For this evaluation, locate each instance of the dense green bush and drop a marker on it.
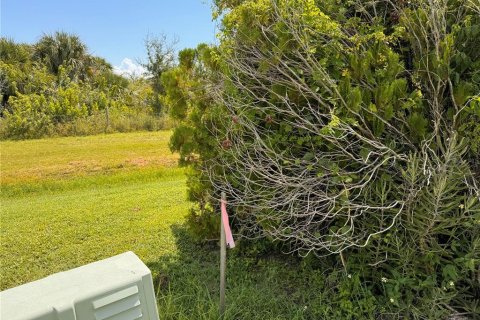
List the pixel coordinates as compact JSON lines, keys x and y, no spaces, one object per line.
{"x":196,"y":113}
{"x":345,"y":128}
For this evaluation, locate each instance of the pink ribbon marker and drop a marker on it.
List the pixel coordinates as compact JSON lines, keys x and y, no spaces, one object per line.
{"x":226,"y":225}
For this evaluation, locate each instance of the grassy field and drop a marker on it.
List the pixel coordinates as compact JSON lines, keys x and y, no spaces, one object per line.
{"x":70,"y":201}
{"x":33,"y":161}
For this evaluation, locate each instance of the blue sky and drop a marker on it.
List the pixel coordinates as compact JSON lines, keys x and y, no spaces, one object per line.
{"x":113,"y":29}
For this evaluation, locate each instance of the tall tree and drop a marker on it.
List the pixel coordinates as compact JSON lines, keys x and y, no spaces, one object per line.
{"x":160,"y":58}
{"x":62,"y":49}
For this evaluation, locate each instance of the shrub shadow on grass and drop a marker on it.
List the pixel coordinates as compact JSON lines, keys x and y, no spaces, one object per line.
{"x":187,"y":284}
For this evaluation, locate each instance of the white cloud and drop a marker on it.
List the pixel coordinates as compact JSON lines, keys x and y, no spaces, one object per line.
{"x":128,"y":68}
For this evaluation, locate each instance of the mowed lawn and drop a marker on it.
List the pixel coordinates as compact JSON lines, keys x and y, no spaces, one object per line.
{"x":70,"y":201}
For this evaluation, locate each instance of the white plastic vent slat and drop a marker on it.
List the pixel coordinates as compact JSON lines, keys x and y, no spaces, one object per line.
{"x":115,"y":297}
{"x":131,"y":314}
{"x":117,"y":307}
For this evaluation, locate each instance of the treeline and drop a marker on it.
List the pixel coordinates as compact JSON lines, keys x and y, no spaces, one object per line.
{"x":347,"y":132}
{"x":55,"y":87}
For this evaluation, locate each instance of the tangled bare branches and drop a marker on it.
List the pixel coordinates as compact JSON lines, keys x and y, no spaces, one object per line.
{"x":328,"y":181}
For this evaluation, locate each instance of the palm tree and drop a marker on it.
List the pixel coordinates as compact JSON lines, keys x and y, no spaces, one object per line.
{"x":60,"y":49}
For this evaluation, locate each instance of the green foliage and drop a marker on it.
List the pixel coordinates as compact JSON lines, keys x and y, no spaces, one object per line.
{"x":55,"y":87}
{"x":188,"y":102}
{"x":61,"y":49}
{"x":301,"y":99}
{"x":160,"y":59}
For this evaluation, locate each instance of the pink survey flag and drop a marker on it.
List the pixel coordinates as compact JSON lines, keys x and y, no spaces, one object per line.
{"x":226,"y":225}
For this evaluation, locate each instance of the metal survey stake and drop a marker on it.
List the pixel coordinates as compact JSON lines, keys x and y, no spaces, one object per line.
{"x":226,"y":239}
{"x":223,"y":258}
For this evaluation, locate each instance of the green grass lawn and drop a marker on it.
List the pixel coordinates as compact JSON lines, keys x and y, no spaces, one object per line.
{"x":59,"y":158}
{"x":66,"y":202}
{"x":57,"y":214}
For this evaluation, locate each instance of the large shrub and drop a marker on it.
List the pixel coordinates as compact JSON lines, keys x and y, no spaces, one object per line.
{"x":345,"y":127}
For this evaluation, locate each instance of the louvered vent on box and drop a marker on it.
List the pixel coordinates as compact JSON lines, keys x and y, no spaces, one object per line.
{"x":123,"y":304}
{"x":118,"y":288}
